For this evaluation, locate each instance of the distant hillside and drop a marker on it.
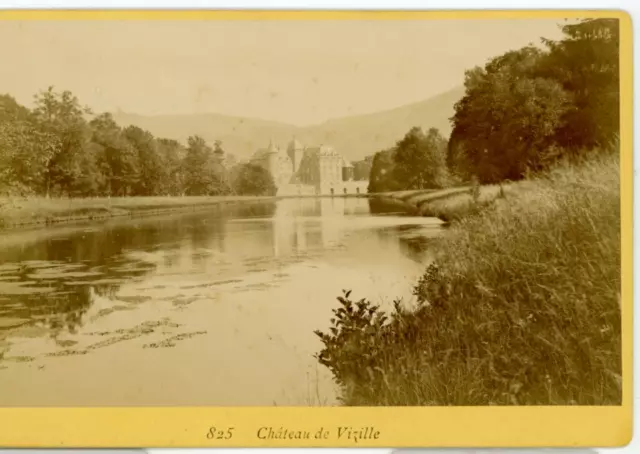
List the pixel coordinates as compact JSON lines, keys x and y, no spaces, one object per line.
{"x":355,"y":136}
{"x":240,"y":136}
{"x":358,"y":136}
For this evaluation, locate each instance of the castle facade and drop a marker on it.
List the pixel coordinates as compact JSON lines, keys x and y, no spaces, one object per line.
{"x":308,"y":170}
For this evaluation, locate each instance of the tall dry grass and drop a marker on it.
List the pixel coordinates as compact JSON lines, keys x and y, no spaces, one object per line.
{"x":520,"y":307}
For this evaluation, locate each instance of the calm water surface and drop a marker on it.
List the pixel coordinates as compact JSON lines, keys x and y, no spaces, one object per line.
{"x":208,"y":308}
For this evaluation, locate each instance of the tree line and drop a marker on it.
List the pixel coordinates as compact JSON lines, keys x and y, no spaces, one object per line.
{"x":59,"y":148}
{"x":522,"y":112}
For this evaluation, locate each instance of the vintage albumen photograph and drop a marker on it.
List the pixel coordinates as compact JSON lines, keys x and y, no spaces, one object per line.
{"x":345,"y":212}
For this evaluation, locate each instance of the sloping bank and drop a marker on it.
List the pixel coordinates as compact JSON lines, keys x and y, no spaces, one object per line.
{"x":449,"y":204}
{"x":40,"y":211}
{"x":520,"y":307}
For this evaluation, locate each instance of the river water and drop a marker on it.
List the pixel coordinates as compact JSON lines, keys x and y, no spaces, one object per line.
{"x":215,"y":307}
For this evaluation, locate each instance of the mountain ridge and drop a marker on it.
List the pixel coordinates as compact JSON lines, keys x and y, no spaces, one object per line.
{"x":354,"y":136}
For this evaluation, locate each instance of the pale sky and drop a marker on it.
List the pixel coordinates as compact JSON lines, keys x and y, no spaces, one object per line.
{"x":298,"y":72}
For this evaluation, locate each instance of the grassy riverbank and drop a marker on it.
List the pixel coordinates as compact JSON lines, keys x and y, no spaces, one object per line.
{"x":34,"y":211}
{"x":521,"y":305}
{"x":15,"y":212}
{"x":449,"y":204}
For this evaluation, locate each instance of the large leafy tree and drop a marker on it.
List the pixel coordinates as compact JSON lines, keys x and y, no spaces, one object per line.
{"x":420,"y":160}
{"x":203,"y":170}
{"x":171,"y":154}
{"x":221,"y":184}
{"x":528,"y":107}
{"x":362,"y":169}
{"x":25,"y":150}
{"x":25,"y":153}
{"x":250,"y":179}
{"x":93,"y":178}
{"x":381,"y":178}
{"x":150,"y":179}
{"x":587,"y":64}
{"x":11,"y":110}
{"x":507,"y":120}
{"x":195,"y":165}
{"x":53,"y":149}
{"x":60,"y":115}
{"x":118,"y":159}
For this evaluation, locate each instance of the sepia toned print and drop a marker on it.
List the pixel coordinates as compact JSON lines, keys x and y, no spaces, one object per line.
{"x":310,"y":213}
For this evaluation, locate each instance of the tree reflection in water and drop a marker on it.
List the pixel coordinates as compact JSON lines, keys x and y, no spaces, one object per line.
{"x":378,"y":205}
{"x":53,"y":282}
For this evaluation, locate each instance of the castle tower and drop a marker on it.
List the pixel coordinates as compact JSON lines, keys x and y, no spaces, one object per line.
{"x":295,"y":150}
{"x":272,"y":160}
{"x":347,"y":170}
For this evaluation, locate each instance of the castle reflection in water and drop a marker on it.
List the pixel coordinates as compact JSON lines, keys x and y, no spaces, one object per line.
{"x":286,"y":228}
{"x":94,"y":263}
{"x":85,"y":273}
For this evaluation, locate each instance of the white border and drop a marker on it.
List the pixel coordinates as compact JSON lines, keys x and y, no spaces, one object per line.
{"x":627,"y":5}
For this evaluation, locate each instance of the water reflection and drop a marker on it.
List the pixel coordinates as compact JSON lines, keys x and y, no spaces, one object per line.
{"x":385,"y":206}
{"x":53,"y":281}
{"x":289,"y":259}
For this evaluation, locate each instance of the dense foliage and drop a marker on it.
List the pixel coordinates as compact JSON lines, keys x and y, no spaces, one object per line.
{"x":60,"y":148}
{"x":250,"y":179}
{"x":362,"y":169}
{"x":381,"y":176}
{"x":418,"y":161}
{"x":527,"y":108}
{"x":521,"y":112}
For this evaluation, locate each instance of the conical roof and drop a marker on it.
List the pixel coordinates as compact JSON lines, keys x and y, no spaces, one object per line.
{"x":272,"y":148}
{"x":295,"y":144}
{"x":346,"y":163}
